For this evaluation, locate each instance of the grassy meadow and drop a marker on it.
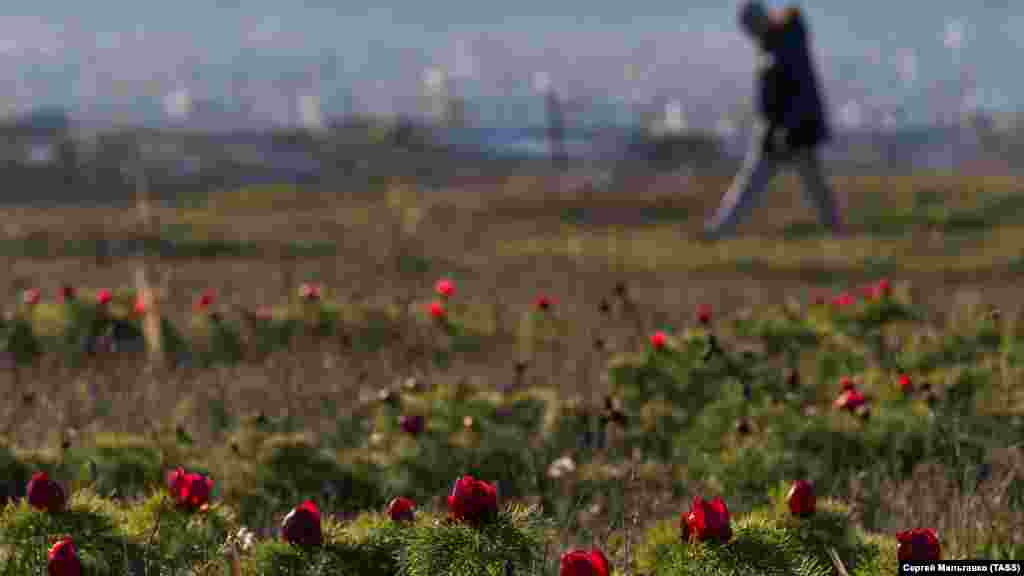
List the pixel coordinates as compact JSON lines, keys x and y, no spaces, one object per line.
{"x":303,"y":400}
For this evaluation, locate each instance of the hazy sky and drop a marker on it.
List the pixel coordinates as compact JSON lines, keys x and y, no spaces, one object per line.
{"x":890,"y":52}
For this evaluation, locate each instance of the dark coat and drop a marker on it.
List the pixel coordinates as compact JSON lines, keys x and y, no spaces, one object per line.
{"x":789,"y":90}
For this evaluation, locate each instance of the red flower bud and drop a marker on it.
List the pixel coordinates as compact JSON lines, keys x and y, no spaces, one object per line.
{"x":918,"y":545}
{"x":309,"y":291}
{"x":584,"y":563}
{"x":411,"y":424}
{"x":445,"y":288}
{"x":708,"y":520}
{"x":301,"y":527}
{"x":905,"y":384}
{"x":31,"y":296}
{"x":659,"y":340}
{"x":472,"y":500}
{"x":45,"y":494}
{"x":704,"y":314}
{"x":67,"y":293}
{"x":801,"y":498}
{"x":204,"y":301}
{"x":62,"y":559}
{"x":401,"y":509}
{"x":437,"y":310}
{"x":103,"y":297}
{"x":849,"y":400}
{"x":189,"y":490}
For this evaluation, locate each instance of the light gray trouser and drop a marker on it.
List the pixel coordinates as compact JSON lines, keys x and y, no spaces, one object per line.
{"x":757,"y":171}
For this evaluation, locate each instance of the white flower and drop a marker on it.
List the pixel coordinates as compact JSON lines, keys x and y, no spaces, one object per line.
{"x":561,"y":467}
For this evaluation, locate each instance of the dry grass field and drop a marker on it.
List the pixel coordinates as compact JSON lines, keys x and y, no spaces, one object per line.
{"x":954,"y":245}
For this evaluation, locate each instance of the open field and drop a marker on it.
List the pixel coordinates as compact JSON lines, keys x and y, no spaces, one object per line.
{"x":304,"y":421}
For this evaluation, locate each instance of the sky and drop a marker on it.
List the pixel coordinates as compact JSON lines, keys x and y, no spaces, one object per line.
{"x":104,"y":58}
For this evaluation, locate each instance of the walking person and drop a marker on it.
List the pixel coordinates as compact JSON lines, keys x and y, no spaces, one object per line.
{"x":791,"y":123}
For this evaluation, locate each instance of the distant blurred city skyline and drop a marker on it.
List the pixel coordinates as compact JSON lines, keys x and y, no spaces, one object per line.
{"x":882,"y":63}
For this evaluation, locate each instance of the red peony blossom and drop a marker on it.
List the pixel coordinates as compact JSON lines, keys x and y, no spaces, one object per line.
{"x":918,"y":545}
{"x":850,"y":400}
{"x":190,"y":490}
{"x":309,"y":291}
{"x":45,"y":494}
{"x":708,"y":520}
{"x":843,"y":300}
{"x":543,"y":303}
{"x":704,"y":314}
{"x":67,"y":293}
{"x":204,"y":301}
{"x":62,"y":559}
{"x":905,"y":384}
{"x":437,"y":310}
{"x":31,"y":296}
{"x":659,"y":340}
{"x":411,"y":424}
{"x":445,"y":288}
{"x":882,"y":289}
{"x":801,"y":498}
{"x":401,"y":509}
{"x":301,"y":527}
{"x":846,"y":383}
{"x":584,"y":563}
{"x":472,"y":500}
{"x":103,"y":297}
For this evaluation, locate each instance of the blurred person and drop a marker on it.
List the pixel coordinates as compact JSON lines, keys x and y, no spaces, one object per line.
{"x":791,"y":123}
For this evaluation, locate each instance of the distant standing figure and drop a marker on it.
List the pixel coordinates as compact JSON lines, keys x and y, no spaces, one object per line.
{"x":791,"y":122}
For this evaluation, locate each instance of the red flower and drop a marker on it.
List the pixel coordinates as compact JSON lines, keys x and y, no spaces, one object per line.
{"x":103,"y":297}
{"x":411,"y":424}
{"x":905,"y":384}
{"x":849,"y":400}
{"x":708,"y":520}
{"x":204,"y":301}
{"x":45,"y":494}
{"x":543,"y":303}
{"x":845,"y":383}
{"x":883,"y":288}
{"x":401,"y":509}
{"x":445,"y":288}
{"x":704,"y":314}
{"x":31,"y":296}
{"x":140,"y":305}
{"x":472,"y":500}
{"x":301,"y":527}
{"x":62,"y":559}
{"x":67,"y":293}
{"x":584,"y":563}
{"x":309,"y":291}
{"x":190,"y":490}
{"x":801,"y":498}
{"x":918,"y":545}
{"x":843,"y":300}
{"x":658,"y":340}
{"x":437,"y":310}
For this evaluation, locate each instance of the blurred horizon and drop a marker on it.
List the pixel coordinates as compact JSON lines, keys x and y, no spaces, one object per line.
{"x":882,"y":64}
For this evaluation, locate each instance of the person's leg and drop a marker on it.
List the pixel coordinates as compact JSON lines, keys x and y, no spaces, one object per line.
{"x":818,"y":191}
{"x":751,"y":181}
